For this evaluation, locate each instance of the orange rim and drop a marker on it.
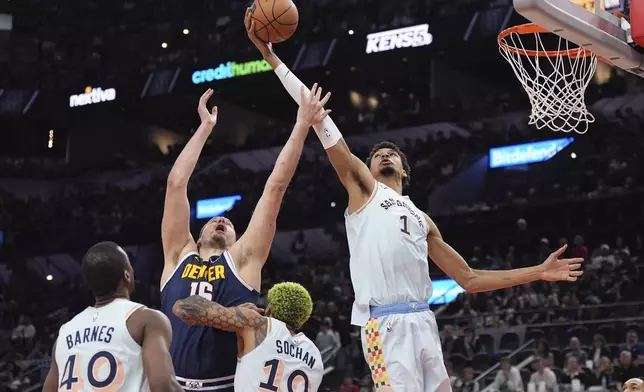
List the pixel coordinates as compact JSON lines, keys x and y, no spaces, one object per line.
{"x":531,"y":28}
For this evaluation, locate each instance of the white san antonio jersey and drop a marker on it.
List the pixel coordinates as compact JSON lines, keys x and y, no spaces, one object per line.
{"x":388,"y":253}
{"x":282,"y":362}
{"x":95,"y":351}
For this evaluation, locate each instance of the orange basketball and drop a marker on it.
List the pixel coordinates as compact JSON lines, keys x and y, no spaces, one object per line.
{"x":275,"y":20}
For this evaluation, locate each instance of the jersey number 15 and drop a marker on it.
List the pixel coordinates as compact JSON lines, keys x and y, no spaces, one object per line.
{"x":275,"y":371}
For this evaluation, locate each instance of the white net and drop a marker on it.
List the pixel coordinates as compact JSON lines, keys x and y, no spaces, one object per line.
{"x":554,"y":80}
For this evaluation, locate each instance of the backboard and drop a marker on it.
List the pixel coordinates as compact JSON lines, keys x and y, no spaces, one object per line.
{"x":589,"y":24}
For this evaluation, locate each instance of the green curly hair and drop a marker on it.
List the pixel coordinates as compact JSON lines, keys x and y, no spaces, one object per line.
{"x":290,"y":303}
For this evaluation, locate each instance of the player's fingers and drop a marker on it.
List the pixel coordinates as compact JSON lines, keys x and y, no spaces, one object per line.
{"x":572,"y":279}
{"x":303,"y":94}
{"x":575,"y":273}
{"x":247,"y":19}
{"x":574,"y":266}
{"x":215,"y":110}
{"x":251,"y":29}
{"x":318,"y":94}
{"x":313,"y":91}
{"x":326,"y":98}
{"x":576,"y":260}
{"x":559,"y":251}
{"x":323,"y":115}
{"x":204,"y":96}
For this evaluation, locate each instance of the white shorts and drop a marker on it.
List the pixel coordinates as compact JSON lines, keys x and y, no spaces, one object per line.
{"x":404,"y":354}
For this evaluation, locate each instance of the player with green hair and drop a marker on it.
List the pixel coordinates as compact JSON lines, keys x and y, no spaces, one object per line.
{"x":273,"y":356}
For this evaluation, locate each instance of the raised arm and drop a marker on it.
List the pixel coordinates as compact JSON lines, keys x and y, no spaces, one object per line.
{"x":253,"y":247}
{"x":353,"y":173}
{"x":157,"y":363}
{"x":473,"y":280}
{"x":175,"y":226}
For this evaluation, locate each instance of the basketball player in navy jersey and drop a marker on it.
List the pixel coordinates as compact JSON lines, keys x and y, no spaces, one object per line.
{"x":218,"y":266}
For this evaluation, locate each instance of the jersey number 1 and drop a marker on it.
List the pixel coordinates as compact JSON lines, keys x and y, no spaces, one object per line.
{"x":98,"y":360}
{"x":275,"y":370}
{"x":405,"y":227}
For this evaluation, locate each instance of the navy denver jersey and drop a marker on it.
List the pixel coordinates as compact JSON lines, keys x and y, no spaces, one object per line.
{"x":204,"y":358}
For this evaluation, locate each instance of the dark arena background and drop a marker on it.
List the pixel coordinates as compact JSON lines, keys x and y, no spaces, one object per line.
{"x":97,"y":99}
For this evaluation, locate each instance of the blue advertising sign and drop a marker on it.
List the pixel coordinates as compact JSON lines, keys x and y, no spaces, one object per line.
{"x":444,"y":291}
{"x":522,"y":154}
{"x":208,"y":208}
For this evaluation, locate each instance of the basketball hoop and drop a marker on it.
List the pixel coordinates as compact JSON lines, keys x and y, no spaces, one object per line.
{"x":555,"y":80}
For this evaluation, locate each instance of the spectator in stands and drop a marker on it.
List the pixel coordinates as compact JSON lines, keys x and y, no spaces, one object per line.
{"x":24,"y":332}
{"x":299,"y":246}
{"x":508,"y":379}
{"x":625,"y":368}
{"x":453,"y":378}
{"x":605,"y":373}
{"x":348,"y":385}
{"x":449,"y":339}
{"x":543,"y":374}
{"x":467,"y":382}
{"x":543,"y":351}
{"x":466,"y":315}
{"x":574,"y":371}
{"x":327,"y":339}
{"x":579,"y":250}
{"x":633,"y":345}
{"x":575,"y":351}
{"x":602,"y":257}
{"x":468,"y":345}
{"x":366,"y":384}
{"x":599,"y":350}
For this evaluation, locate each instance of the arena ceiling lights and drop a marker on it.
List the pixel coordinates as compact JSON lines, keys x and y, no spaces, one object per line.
{"x":406,"y":37}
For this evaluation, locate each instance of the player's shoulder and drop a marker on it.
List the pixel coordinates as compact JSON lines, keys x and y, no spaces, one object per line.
{"x":150,"y":318}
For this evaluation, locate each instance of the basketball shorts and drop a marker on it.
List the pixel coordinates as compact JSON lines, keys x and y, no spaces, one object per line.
{"x":403,"y":352}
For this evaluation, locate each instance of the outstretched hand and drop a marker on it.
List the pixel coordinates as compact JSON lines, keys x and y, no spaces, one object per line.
{"x":555,"y":269}
{"x":207,"y":117}
{"x":265,"y":48}
{"x":311,"y":109}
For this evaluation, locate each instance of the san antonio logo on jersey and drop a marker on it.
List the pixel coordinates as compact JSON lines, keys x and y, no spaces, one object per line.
{"x":390,"y":202}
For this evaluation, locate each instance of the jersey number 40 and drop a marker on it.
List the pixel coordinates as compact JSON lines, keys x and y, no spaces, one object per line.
{"x":72,"y":380}
{"x":275,"y":371}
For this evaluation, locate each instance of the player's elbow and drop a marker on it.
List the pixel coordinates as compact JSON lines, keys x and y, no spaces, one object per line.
{"x":275,"y":187}
{"x":469,"y":282}
{"x":176,"y":180}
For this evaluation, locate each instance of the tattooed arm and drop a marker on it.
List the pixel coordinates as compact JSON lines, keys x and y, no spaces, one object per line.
{"x":196,"y":310}
{"x":245,"y":320}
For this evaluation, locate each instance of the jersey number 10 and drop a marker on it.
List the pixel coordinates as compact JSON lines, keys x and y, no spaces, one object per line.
{"x":275,"y":371}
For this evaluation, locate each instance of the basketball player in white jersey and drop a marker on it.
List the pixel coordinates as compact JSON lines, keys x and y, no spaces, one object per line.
{"x":273,"y":357}
{"x":117,"y":344}
{"x":390,"y":240}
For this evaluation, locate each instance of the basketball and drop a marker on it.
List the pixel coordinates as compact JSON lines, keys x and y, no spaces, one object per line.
{"x":275,"y":20}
